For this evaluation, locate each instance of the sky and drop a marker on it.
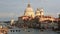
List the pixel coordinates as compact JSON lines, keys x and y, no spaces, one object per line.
{"x":15,"y":8}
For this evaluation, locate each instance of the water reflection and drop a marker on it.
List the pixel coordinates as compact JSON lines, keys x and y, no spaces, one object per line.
{"x":31,"y":31}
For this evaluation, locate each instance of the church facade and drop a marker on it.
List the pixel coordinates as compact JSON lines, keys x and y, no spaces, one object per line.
{"x":29,"y":14}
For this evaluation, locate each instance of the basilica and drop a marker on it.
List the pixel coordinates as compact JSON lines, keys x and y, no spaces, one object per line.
{"x":29,"y":14}
{"x":37,"y":19}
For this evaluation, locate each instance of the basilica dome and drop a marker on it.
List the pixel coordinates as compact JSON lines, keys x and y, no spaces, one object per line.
{"x":29,"y":11}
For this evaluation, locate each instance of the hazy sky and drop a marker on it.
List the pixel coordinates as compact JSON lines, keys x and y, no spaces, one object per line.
{"x":15,"y":8}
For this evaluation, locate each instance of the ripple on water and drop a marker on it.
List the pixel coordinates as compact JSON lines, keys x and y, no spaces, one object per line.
{"x":33,"y":31}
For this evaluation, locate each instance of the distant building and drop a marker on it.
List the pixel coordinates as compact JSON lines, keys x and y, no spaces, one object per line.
{"x":20,"y":20}
{"x":29,"y":14}
{"x":37,"y":18}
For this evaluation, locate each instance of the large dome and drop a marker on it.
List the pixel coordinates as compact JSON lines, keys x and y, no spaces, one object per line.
{"x":29,"y":11}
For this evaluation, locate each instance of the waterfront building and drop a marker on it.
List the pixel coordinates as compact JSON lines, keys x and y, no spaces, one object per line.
{"x":31,"y":17}
{"x":29,"y":14}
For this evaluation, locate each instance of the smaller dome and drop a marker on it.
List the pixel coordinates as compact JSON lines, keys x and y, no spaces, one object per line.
{"x":37,"y":12}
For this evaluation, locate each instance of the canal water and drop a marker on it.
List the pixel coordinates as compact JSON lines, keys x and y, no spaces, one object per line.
{"x":30,"y":31}
{"x":16,"y":30}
